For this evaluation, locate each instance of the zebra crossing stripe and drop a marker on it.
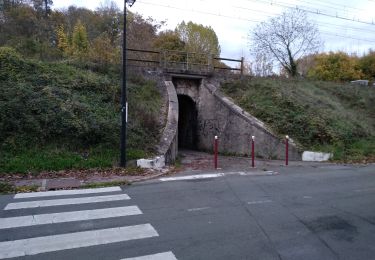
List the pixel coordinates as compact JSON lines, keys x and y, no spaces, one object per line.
{"x":161,"y":256}
{"x":38,"y":245}
{"x":65,"y":192}
{"x":60,"y":202}
{"x":42,"y":219}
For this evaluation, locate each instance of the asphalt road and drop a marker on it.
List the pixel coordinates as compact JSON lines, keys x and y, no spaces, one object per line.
{"x":304,"y":213}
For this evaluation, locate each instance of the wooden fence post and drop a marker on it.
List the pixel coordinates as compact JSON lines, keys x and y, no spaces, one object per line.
{"x":242,"y":66}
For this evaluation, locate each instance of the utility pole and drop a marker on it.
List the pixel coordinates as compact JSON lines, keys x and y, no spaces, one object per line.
{"x":124,"y":100}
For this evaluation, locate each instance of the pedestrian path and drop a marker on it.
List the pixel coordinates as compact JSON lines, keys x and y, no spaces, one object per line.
{"x":58,"y":202}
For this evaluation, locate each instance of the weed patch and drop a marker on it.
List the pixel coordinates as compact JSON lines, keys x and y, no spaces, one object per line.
{"x":332,"y":117}
{"x":55,"y":116}
{"x":104,"y":184}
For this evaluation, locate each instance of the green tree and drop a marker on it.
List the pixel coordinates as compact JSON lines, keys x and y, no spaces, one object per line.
{"x":80,"y":41}
{"x":367,"y":65}
{"x":141,"y":32}
{"x":109,"y":20}
{"x":2,"y":16}
{"x":62,"y":39}
{"x":198,"y":38}
{"x":335,"y":66}
{"x":103,"y":53}
{"x":90,"y":19}
{"x":169,"y":40}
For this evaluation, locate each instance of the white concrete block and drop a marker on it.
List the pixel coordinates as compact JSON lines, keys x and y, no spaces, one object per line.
{"x":154,"y":163}
{"x":308,"y":156}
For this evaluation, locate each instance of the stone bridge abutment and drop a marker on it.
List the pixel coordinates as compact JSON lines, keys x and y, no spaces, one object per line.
{"x":198,"y":112}
{"x":210,"y":113}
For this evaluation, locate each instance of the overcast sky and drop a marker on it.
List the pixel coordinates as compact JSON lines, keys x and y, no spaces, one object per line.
{"x":232,"y":20}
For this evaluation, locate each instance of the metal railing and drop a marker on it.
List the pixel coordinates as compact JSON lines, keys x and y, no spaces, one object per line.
{"x":181,"y":62}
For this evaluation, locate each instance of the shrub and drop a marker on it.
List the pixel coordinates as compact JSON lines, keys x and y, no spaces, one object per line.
{"x":313,"y":113}
{"x":55,"y":103}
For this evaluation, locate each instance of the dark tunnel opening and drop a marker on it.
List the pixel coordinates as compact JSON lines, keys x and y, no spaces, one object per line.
{"x":187,"y":123}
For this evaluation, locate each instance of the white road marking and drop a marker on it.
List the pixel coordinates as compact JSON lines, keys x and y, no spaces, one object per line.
{"x":365,"y":190}
{"x":235,"y":173}
{"x":65,"y":192}
{"x":259,"y":202}
{"x":216,"y":175}
{"x":43,"y":219}
{"x":161,"y":256}
{"x":38,"y":245}
{"x":59,"y":202}
{"x":198,"y":209}
{"x":307,"y":197}
{"x":193,"y":177}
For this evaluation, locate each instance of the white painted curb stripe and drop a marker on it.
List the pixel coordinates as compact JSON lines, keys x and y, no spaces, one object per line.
{"x":37,"y":245}
{"x":65,"y":192}
{"x":59,"y":202}
{"x":259,"y":202}
{"x":198,"y":209}
{"x":193,"y":177}
{"x":161,"y":256}
{"x":43,"y":219}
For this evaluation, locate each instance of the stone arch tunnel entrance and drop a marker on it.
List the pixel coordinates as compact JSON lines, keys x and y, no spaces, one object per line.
{"x":187,"y":123}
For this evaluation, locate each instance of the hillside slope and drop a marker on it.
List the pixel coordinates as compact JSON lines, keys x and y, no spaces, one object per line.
{"x":55,"y":116}
{"x":332,"y":117}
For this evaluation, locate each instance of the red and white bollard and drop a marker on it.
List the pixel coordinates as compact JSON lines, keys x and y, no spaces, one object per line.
{"x":286,"y":150}
{"x":216,"y":145}
{"x":252,"y":152}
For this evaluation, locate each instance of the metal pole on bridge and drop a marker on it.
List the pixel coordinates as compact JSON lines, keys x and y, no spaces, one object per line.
{"x":242,"y":66}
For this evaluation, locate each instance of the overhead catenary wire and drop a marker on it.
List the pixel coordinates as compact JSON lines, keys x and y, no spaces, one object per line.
{"x":318,"y":22}
{"x":244,"y":19}
{"x":334,"y":5}
{"x":257,"y":11}
{"x":316,"y":12}
{"x":325,"y":7}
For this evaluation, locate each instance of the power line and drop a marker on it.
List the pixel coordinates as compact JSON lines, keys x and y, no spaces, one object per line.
{"x":329,"y":6}
{"x":273,"y":14}
{"x":343,"y":5}
{"x":318,"y":22}
{"x":346,"y":37}
{"x":240,"y":18}
{"x":198,"y":11}
{"x":317,"y":12}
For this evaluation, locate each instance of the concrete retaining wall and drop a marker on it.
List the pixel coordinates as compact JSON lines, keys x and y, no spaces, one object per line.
{"x":218,"y":115}
{"x":168,"y":145}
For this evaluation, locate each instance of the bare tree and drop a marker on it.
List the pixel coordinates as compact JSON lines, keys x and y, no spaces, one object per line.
{"x":286,"y":39}
{"x":262,"y":66}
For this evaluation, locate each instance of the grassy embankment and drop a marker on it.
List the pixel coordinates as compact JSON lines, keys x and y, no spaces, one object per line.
{"x":55,"y":116}
{"x":319,"y":116}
